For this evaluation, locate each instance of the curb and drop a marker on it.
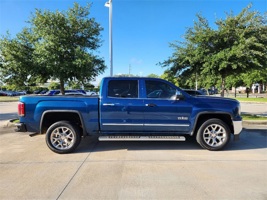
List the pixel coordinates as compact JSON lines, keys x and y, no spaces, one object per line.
{"x":8,"y":123}
{"x":7,"y":127}
{"x":254,"y":122}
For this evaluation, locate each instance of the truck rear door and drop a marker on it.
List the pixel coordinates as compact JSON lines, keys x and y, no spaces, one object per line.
{"x":121,"y":109}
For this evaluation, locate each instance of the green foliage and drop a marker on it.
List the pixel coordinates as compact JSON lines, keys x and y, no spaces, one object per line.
{"x":237,"y":45}
{"x":153,"y":76}
{"x":89,"y":86}
{"x":97,"y":89}
{"x":74,"y":85}
{"x":247,"y":79}
{"x":256,"y":76}
{"x":16,"y":59}
{"x":167,"y":75}
{"x":58,"y":45}
{"x":54,"y":86}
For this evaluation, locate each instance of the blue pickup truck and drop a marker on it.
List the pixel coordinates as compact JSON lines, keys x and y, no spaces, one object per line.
{"x":131,"y":109}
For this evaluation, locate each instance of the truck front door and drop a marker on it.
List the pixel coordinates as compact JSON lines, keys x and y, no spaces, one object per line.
{"x":162,"y":111}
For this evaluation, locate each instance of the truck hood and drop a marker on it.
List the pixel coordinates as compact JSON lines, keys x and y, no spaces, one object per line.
{"x":220,"y":104}
{"x":214,"y":99}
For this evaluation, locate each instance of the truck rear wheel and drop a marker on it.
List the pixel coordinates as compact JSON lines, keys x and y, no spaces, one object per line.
{"x":213,"y":134}
{"x":63,"y":137}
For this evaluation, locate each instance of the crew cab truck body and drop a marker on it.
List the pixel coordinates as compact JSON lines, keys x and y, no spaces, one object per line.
{"x":131,"y":109}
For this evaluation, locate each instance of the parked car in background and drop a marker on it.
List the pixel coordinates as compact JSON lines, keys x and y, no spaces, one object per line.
{"x":56,"y":92}
{"x":2,"y":93}
{"x":74,"y":93}
{"x":37,"y":91}
{"x":194,"y":92}
{"x":43,"y":91}
{"x":90,"y":93}
{"x":52,"y":92}
{"x":11,"y":93}
{"x":80,"y":90}
{"x":22,"y":92}
{"x":213,"y":91}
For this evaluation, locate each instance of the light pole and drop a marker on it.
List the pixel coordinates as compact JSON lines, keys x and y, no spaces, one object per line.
{"x":109,"y":5}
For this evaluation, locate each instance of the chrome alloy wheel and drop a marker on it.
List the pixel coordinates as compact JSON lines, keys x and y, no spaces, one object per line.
{"x":62,"y":138}
{"x":214,"y":135}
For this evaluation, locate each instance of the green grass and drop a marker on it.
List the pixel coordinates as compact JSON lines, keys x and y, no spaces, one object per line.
{"x":253,"y":117}
{"x":8,"y":99}
{"x":258,"y":100}
{"x":15,"y":121}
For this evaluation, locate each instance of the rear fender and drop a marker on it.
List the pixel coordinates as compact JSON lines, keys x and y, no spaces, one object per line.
{"x":51,"y":116}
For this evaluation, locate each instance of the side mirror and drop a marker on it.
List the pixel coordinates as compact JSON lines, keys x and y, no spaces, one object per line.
{"x":179,"y":95}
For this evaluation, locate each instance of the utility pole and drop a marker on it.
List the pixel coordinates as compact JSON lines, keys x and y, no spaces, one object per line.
{"x":130,"y":70}
{"x":196,"y":81}
{"x":109,"y":5}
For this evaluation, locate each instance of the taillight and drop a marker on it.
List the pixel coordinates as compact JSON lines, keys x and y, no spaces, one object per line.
{"x":21,"y":109}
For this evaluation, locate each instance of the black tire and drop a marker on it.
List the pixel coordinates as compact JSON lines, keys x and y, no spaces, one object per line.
{"x":213,"y":134}
{"x":63,"y":137}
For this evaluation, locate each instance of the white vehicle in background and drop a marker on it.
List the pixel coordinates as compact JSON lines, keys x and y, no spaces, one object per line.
{"x":22,"y":92}
{"x":73,"y":94}
{"x":90,"y":93}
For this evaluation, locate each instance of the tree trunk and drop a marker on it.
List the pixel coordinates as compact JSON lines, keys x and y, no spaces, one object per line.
{"x":62,"y":90}
{"x":223,"y":87}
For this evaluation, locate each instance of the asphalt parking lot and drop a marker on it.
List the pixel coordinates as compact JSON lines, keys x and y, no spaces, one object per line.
{"x":133,"y":170}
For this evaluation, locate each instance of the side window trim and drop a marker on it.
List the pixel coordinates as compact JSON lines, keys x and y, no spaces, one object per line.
{"x":162,"y":90}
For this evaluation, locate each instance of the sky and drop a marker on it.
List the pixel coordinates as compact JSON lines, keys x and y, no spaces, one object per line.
{"x":142,"y":29}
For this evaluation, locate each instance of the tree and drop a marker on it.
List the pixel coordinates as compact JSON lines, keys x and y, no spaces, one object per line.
{"x":60,"y":45}
{"x":234,"y":81}
{"x":16,"y":59}
{"x":237,"y":45}
{"x":167,"y":75}
{"x":257,"y":76}
{"x":54,"y":86}
{"x":89,"y":86}
{"x":153,"y":75}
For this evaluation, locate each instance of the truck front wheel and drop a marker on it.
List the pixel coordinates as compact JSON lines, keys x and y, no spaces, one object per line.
{"x":63,"y":137}
{"x":213,"y":134}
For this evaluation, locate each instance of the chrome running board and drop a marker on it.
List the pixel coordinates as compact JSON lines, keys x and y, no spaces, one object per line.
{"x":141,"y":138}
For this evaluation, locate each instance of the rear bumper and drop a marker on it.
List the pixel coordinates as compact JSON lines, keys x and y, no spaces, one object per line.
{"x":20,"y":127}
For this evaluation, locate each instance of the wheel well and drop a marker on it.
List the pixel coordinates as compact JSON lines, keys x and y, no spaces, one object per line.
{"x":204,"y":117}
{"x":53,"y":117}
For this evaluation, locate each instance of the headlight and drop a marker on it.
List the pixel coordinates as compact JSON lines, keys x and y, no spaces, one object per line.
{"x":238,"y":109}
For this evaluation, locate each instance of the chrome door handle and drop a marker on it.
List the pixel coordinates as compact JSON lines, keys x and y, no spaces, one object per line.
{"x":108,"y":104}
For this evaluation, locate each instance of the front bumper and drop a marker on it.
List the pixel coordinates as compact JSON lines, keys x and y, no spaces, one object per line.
{"x":20,"y":127}
{"x":237,"y":129}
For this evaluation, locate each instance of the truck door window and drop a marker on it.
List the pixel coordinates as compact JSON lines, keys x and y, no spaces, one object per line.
{"x":123,"y":88}
{"x":158,"y":89}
